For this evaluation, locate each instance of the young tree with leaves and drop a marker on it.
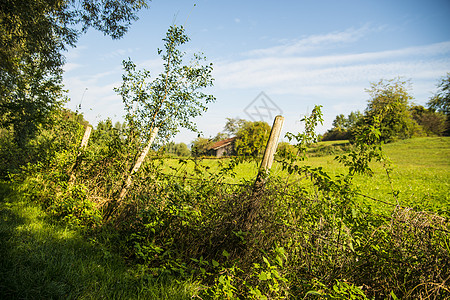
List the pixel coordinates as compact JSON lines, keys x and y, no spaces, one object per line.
{"x":168,"y":102}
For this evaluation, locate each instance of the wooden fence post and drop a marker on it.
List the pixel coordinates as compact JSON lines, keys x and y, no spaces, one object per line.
{"x":138,"y":164}
{"x":87,"y":134}
{"x":269,"y":152}
{"x":84,"y":141}
{"x":266,"y":164}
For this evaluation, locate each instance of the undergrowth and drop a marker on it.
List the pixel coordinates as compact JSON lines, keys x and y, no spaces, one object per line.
{"x":304,"y":236}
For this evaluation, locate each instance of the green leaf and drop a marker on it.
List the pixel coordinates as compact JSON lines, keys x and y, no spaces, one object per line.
{"x":264,"y":276}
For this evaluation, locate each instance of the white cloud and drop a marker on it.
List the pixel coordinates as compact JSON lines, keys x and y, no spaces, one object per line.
{"x":119,"y":53}
{"x":292,"y":74}
{"x":71,"y":66}
{"x":314,"y":42}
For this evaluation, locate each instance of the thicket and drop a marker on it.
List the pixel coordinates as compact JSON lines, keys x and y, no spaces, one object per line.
{"x":306,"y":236}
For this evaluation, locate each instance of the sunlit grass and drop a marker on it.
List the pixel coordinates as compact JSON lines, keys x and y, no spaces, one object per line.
{"x":420,"y":173}
{"x":41,"y":260}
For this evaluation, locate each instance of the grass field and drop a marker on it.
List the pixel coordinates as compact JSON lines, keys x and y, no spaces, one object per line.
{"x":420,"y":173}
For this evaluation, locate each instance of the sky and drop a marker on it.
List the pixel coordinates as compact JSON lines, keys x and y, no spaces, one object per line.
{"x":273,"y":57}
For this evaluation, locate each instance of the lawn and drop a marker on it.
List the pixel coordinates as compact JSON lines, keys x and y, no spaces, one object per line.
{"x":420,"y":173}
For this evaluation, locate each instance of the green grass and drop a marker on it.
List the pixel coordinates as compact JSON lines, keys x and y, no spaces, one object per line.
{"x":421,"y":172}
{"x":41,"y":260}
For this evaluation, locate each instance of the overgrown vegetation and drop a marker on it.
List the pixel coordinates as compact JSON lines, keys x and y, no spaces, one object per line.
{"x":311,"y":235}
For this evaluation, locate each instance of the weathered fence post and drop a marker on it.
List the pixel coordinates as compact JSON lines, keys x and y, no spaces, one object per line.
{"x":269,"y":152}
{"x":138,"y":164}
{"x":84,"y":141}
{"x":87,"y":134}
{"x":266,"y":164}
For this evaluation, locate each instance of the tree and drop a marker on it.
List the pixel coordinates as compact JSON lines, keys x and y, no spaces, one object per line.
{"x":340,"y":123}
{"x":173,"y":98}
{"x":389,"y":100}
{"x":441,"y":100}
{"x":33,"y":35}
{"x":432,"y":122}
{"x":168,"y":102}
{"x":233,"y":125}
{"x":26,"y":100}
{"x":342,"y":127}
{"x":200,"y":146}
{"x":44,"y":28}
{"x":179,"y":149}
{"x":252,"y":138}
{"x":353,"y":118}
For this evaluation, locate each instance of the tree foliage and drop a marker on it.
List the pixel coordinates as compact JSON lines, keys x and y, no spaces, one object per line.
{"x":173,"y":98}
{"x":252,"y":138}
{"x":177,"y":149}
{"x":200,"y":146}
{"x":441,"y":100}
{"x":45,"y":28}
{"x":27,"y":100}
{"x":343,"y":127}
{"x":33,"y":35}
{"x":432,"y":122}
{"x":233,"y":125}
{"x":390,"y":100}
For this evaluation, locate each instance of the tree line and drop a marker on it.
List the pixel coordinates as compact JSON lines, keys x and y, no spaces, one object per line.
{"x":404,"y":119}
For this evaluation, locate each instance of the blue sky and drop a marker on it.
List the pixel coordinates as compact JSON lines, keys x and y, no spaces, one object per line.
{"x":299,"y":53}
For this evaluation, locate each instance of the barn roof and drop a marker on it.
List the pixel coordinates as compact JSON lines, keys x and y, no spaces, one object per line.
{"x":222,"y":143}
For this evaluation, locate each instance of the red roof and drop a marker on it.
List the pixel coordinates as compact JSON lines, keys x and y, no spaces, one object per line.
{"x":222,"y":143}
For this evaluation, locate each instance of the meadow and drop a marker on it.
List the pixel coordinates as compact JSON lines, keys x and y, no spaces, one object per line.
{"x":420,"y":172}
{"x":190,"y":229}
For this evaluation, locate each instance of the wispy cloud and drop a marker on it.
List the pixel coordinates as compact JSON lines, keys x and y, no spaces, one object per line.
{"x":119,"y":53}
{"x":293,"y":73}
{"x":71,"y":66}
{"x":313,"y":42}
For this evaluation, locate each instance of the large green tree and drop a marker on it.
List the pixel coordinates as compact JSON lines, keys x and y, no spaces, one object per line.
{"x":252,"y":138}
{"x":45,"y":27}
{"x":390,"y":101}
{"x":33,"y":36}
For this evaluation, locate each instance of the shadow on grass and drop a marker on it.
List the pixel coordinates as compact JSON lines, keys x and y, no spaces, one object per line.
{"x":39,"y":260}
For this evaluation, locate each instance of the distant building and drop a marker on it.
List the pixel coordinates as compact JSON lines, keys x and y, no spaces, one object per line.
{"x":222,"y":148}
